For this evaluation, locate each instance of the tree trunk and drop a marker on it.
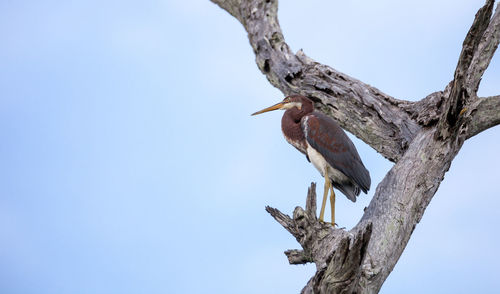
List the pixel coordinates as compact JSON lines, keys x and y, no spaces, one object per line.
{"x":421,"y":138}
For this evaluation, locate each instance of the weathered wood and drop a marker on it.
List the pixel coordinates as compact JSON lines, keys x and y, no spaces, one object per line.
{"x":461,"y":93}
{"x":484,"y":114}
{"x":485,"y":51}
{"x":422,"y":138}
{"x":400,"y":201}
{"x":337,"y":253}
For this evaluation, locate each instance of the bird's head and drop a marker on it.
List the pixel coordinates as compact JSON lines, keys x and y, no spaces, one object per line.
{"x":299,"y":102}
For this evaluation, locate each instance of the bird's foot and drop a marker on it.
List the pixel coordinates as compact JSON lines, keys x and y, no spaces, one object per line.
{"x":333,"y":225}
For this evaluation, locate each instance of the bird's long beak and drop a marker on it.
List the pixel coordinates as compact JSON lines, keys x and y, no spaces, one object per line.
{"x":271,"y":108}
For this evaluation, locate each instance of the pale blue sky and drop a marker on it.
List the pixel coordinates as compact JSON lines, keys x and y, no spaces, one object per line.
{"x":130,"y":163}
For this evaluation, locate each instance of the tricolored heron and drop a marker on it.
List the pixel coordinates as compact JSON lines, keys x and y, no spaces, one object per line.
{"x":326,"y":145}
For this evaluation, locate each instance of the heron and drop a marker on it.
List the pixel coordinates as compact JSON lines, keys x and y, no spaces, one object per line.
{"x":326,"y":146}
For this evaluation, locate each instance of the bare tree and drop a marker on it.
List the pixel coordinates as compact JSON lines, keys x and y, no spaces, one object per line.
{"x":421,"y":138}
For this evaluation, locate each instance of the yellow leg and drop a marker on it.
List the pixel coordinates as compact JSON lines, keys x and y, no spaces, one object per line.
{"x":325,"y":195}
{"x":332,"y":203}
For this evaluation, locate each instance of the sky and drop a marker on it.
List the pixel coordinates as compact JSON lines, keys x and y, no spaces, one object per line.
{"x":130,"y":162}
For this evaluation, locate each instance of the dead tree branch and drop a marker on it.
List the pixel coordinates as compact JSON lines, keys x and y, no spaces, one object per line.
{"x":336,"y":252}
{"x":485,"y":51}
{"x":478,"y":46}
{"x":484,"y":114}
{"x":422,"y":138}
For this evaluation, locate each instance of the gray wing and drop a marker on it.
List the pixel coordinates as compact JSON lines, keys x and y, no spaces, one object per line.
{"x":328,"y":138}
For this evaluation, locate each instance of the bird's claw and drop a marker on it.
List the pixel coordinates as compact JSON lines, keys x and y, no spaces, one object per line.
{"x":333,"y":225}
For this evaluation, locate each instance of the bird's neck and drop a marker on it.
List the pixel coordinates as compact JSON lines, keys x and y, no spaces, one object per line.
{"x":290,"y":125}
{"x":294,"y":115}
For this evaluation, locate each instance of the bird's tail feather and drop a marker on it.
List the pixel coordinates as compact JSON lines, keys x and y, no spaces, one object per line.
{"x":350,"y":190}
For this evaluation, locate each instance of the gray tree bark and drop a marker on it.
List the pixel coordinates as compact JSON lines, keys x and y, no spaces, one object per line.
{"x":421,"y":138}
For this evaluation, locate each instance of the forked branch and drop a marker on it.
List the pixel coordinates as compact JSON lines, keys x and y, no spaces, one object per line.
{"x":477,"y":50}
{"x":422,"y":138}
{"x":336,"y":252}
